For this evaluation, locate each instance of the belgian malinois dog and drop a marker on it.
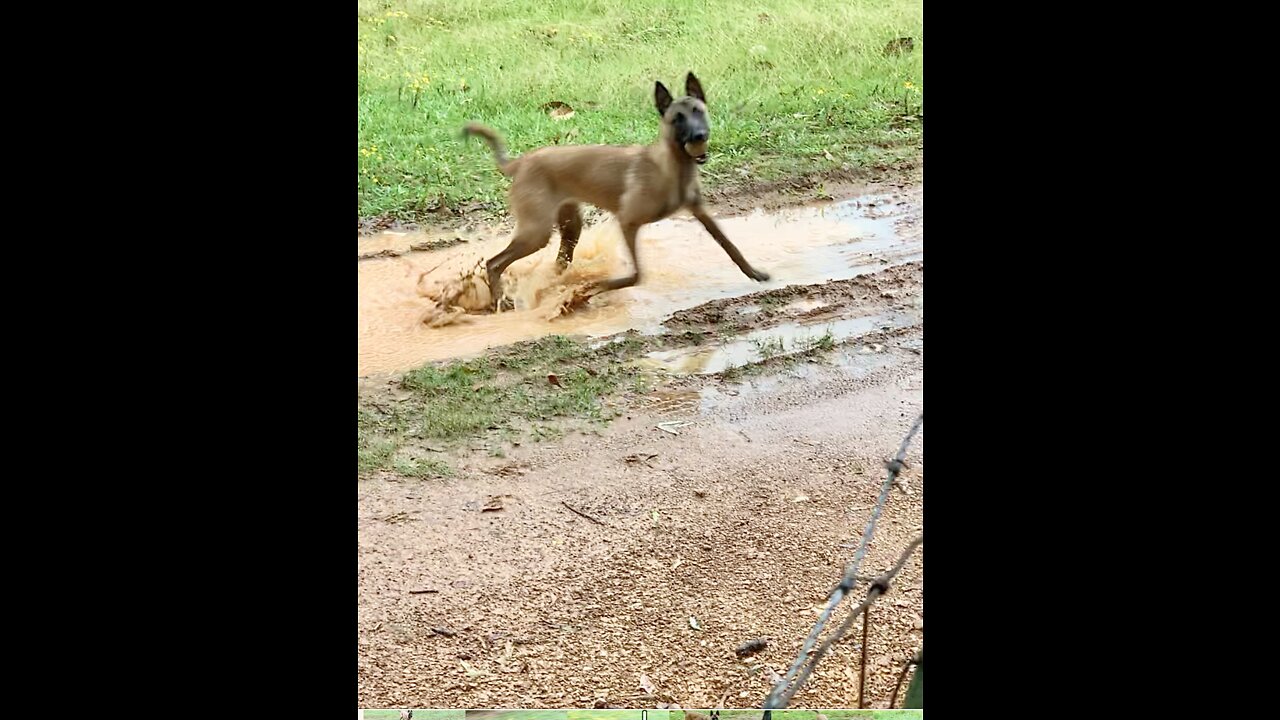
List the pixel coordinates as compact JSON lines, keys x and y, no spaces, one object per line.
{"x":639,"y":184}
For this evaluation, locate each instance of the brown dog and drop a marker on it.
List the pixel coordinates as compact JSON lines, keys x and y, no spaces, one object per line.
{"x":639,"y":184}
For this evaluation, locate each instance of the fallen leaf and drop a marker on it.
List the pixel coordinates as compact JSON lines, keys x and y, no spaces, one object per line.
{"x":554,"y":380}
{"x":693,"y":623}
{"x":558,"y":110}
{"x":646,"y":684}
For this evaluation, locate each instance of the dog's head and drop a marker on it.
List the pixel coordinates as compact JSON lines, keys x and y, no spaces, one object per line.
{"x":687,"y":117}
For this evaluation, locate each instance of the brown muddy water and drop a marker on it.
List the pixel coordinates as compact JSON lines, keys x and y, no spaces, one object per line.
{"x":425,"y":306}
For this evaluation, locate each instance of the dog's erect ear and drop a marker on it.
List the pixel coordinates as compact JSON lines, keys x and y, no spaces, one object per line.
{"x":694,"y":88}
{"x":662,"y":97}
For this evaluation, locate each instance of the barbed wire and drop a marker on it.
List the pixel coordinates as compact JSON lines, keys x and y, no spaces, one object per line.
{"x":862,"y":662}
{"x":879,"y":587}
{"x":799,"y":671}
{"x":913,"y":660}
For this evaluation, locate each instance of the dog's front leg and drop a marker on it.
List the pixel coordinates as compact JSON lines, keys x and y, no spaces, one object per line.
{"x":629,"y":231}
{"x":710,"y":224}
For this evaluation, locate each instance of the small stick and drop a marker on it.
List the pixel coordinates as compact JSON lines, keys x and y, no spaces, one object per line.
{"x":579,"y":512}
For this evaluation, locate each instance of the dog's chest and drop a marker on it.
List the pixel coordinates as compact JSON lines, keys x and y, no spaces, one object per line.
{"x":687,"y":191}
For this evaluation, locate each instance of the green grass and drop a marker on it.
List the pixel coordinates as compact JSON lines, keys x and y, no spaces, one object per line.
{"x":509,"y":394}
{"x":793,"y":86}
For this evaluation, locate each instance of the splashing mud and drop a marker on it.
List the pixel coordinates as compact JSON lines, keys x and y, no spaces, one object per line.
{"x":424,"y":306}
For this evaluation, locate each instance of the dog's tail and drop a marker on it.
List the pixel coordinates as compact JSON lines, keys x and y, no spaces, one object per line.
{"x":494,"y":142}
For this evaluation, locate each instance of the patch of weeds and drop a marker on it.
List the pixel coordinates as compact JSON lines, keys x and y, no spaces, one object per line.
{"x":551,"y":378}
{"x":578,"y":395}
{"x":734,"y":374}
{"x":628,"y":346}
{"x":423,"y":468}
{"x":454,"y":401}
{"x":373,"y":451}
{"x":543,"y":352}
{"x":769,"y":347}
{"x":821,"y":344}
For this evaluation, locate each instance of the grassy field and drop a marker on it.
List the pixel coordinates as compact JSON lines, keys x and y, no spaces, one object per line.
{"x":794,"y":87}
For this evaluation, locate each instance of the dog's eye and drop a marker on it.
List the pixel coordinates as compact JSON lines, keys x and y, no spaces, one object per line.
{"x":679,"y":117}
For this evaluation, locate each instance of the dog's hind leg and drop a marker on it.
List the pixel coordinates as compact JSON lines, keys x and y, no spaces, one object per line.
{"x":528,"y":239}
{"x":570,"y":224}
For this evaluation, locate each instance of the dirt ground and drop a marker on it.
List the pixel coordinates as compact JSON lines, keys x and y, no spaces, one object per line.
{"x":622,"y":569}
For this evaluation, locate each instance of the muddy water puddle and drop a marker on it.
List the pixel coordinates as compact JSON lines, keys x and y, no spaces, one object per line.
{"x":400,"y":298}
{"x":776,"y":341}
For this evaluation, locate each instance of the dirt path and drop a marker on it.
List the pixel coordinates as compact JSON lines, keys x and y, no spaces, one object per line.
{"x":488,"y":589}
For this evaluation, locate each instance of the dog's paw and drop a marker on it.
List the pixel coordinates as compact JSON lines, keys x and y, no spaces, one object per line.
{"x":758,"y":275}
